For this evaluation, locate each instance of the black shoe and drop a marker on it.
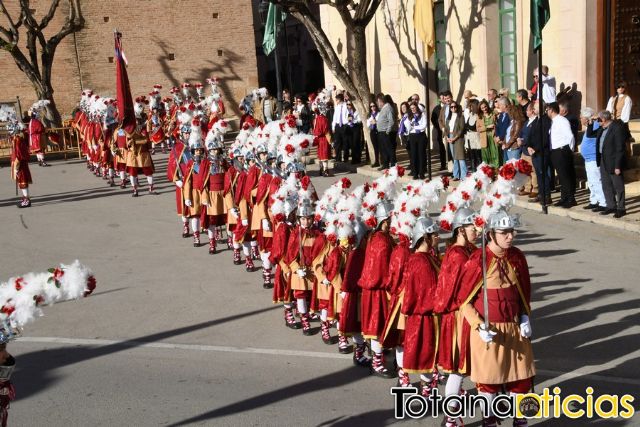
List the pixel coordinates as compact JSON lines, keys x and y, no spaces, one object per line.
{"x":383,"y":373}
{"x":598,"y":208}
{"x":267,"y":285}
{"x":375,"y":165}
{"x":559,"y":204}
{"x":620,"y":214}
{"x":590,"y":206}
{"x":381,"y":168}
{"x":608,"y":211}
{"x":571,"y":203}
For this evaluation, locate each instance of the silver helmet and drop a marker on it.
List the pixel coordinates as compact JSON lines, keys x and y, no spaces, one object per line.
{"x":462,"y":217}
{"x":215,"y":145}
{"x":501,"y":220}
{"x":423,"y":226}
{"x":305,"y":208}
{"x":384,"y":210}
{"x":360,"y":230}
{"x":290,"y":205}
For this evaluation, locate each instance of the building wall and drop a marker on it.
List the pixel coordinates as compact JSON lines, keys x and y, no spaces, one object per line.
{"x":394,"y":55}
{"x":473,"y":52}
{"x":203,"y":45}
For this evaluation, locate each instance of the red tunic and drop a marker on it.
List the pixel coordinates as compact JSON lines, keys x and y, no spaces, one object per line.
{"x":36,"y":130}
{"x":420,"y":335}
{"x":445,"y":304}
{"x":20,"y":161}
{"x":394,"y":325}
{"x":281,"y":286}
{"x":320,"y":130}
{"x":374,"y":272}
{"x":176,"y":170}
{"x":470,"y":289}
{"x":349,"y":316}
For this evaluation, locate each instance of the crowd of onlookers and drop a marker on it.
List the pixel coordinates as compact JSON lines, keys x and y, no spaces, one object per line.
{"x":491,"y":129}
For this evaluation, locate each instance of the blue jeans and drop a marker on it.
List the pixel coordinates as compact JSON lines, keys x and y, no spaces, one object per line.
{"x":459,"y":166}
{"x":512,"y":154}
{"x":537,"y":165}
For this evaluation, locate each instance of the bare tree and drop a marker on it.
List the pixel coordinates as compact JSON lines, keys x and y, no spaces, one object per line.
{"x":352,"y":75}
{"x":38,"y":61}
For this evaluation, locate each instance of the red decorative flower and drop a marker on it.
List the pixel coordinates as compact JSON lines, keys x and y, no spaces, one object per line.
{"x":305,"y":143}
{"x":490,"y":203}
{"x":91,"y":285}
{"x":445,"y":225}
{"x":305,"y":181}
{"x":346,"y":183}
{"x":352,"y":217}
{"x":508,"y":171}
{"x":488,"y":171}
{"x":415,"y":212}
{"x":401,"y":171}
{"x":445,"y":182}
{"x":497,"y":195}
{"x":479,"y":221}
{"x":281,"y":127}
{"x":38,"y":300}
{"x":291,"y":122}
{"x":409,"y":188}
{"x":371,"y":222}
{"x":466,"y":196}
{"x":332,"y":238}
{"x":279,"y":217}
{"x":443,"y":209}
{"x":452,"y":207}
{"x":7,"y":309}
{"x":317,"y":218}
{"x":19,"y":283}
{"x":289,"y":149}
{"x":478,"y":185}
{"x":524,"y":167}
{"x":374,"y":185}
{"x":380,"y":195}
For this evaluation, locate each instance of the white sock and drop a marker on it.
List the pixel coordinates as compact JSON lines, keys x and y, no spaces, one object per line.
{"x":121,"y":173}
{"x":489,"y":397}
{"x":185,"y":220}
{"x":195,"y":225}
{"x":302,"y":305}
{"x":376,"y":347}
{"x":323,"y":314}
{"x":400,"y":356}
{"x":266,"y":264}
{"x":25,"y":192}
{"x":40,"y":157}
{"x":358,"y":338}
{"x":254,"y":243}
{"x":454,"y":382}
{"x":110,"y":172}
{"x":245,"y":249}
{"x":210,"y":233}
{"x":150,"y":179}
{"x":236,"y":245}
{"x":134,"y":181}
{"x":288,"y":305}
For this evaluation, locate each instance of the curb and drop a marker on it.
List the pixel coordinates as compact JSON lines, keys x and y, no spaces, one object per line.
{"x":567,"y":213}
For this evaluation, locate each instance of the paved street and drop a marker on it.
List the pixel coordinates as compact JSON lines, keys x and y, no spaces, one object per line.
{"x":174,"y":336}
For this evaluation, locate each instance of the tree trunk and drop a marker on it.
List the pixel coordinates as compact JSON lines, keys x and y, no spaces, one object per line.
{"x":360,"y":78}
{"x":45,"y":91}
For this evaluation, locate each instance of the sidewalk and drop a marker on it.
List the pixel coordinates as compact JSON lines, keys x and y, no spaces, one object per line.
{"x":630,"y":222}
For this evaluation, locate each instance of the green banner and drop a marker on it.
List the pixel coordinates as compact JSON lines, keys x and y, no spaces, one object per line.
{"x":274,"y":18}
{"x":540,"y":15}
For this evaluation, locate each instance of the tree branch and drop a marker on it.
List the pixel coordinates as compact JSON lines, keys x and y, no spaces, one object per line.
{"x":52,"y":11}
{"x":73,"y":23}
{"x":9,"y":36}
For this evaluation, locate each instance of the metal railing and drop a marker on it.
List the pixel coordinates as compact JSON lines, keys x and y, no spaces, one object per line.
{"x":61,"y":140}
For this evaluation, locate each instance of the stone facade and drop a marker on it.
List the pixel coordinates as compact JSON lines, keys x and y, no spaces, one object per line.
{"x":166,"y":42}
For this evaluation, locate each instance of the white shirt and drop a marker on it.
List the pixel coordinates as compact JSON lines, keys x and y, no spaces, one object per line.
{"x":339,"y":116}
{"x":560,"y":133}
{"x":625,"y":114}
{"x":418,"y":126}
{"x":548,"y":89}
{"x":452,"y":121}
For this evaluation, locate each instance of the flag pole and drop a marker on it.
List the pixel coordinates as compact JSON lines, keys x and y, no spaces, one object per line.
{"x":541,"y":111}
{"x":426,"y":112}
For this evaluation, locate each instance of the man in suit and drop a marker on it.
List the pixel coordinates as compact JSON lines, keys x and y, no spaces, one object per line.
{"x":338,"y":127}
{"x":435,"y":116}
{"x":611,"y":156}
{"x":443,"y":116}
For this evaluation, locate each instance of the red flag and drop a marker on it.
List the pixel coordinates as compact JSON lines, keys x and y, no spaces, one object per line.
{"x":126,"y":115}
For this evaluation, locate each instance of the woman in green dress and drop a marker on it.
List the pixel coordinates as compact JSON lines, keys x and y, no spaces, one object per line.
{"x":485,"y":127}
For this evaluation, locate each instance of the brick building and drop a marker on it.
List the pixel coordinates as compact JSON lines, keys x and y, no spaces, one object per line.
{"x":166,"y":42}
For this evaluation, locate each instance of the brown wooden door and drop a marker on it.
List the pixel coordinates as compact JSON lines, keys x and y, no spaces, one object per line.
{"x":626,"y":50}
